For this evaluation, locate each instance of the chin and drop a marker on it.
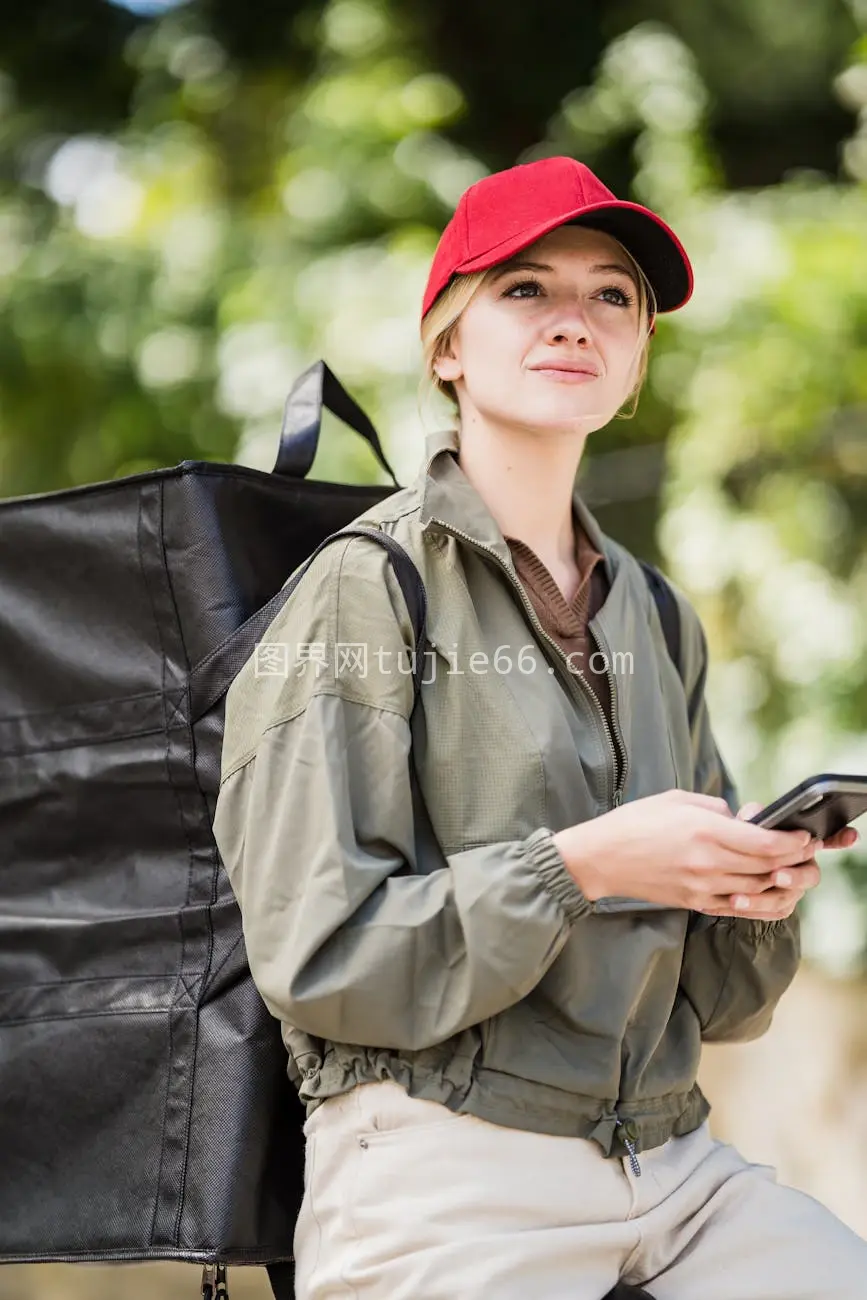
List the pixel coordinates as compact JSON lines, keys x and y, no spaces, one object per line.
{"x":561,"y":417}
{"x":556,"y":414}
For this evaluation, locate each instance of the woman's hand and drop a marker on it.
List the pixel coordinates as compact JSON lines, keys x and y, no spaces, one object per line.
{"x":686,"y":850}
{"x":788,"y":885}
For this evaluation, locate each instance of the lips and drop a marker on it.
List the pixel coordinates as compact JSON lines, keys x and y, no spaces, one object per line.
{"x":564,"y":368}
{"x":566,"y":374}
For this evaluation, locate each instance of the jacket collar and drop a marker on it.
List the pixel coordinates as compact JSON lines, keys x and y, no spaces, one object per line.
{"x":448,"y":498}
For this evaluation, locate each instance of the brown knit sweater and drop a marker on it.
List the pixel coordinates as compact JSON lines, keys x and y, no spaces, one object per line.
{"x":564,"y":621}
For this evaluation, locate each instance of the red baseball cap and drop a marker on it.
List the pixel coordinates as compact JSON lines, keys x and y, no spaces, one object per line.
{"x":504,"y":212}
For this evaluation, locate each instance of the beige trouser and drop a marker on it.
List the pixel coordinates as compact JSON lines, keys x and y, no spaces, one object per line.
{"x":405,"y":1200}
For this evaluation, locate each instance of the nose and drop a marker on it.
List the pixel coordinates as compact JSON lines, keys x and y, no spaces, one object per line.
{"x":570,"y":327}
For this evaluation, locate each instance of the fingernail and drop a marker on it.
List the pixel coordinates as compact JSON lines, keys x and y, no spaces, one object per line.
{"x":784,"y":879}
{"x":742,"y":902}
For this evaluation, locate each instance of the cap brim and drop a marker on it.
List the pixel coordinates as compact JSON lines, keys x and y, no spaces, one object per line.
{"x":652,"y":243}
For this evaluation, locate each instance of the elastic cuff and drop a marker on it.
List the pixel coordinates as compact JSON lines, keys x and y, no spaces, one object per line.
{"x":758,"y":931}
{"x":558,"y":880}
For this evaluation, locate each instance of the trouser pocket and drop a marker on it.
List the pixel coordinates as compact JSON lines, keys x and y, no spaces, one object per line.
{"x":386,"y":1111}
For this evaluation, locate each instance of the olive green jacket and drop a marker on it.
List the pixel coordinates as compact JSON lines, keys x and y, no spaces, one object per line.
{"x":441,"y":941}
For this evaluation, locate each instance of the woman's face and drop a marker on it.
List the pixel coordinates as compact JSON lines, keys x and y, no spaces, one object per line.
{"x":569,"y":300}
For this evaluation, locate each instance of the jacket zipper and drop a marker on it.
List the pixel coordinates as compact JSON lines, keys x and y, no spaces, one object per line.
{"x":624,"y":768}
{"x":617,"y":797}
{"x":630,"y":1137}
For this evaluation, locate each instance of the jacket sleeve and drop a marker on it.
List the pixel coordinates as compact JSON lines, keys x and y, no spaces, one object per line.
{"x":357,"y":927}
{"x":735,"y":969}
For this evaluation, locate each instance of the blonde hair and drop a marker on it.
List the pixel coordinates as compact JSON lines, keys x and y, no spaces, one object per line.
{"x":440,"y":323}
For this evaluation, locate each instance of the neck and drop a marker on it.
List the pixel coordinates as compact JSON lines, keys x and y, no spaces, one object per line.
{"x":527,"y":481}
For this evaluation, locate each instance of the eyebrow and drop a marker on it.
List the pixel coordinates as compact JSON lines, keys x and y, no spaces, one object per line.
{"x":617,"y":266}
{"x":520,"y":266}
{"x":523,"y":265}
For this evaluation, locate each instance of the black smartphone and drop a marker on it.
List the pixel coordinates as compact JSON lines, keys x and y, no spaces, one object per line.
{"x":822,"y":804}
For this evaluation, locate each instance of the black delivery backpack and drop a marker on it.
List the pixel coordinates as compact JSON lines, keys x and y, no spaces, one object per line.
{"x":145,"y":1107}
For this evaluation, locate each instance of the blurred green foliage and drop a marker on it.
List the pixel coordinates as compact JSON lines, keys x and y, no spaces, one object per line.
{"x":195,"y":205}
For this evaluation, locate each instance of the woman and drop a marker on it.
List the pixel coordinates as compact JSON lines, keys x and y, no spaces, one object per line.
{"x":495,"y":937}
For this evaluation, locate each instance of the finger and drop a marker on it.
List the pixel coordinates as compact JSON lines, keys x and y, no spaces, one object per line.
{"x":749,"y":810}
{"x":739,"y":882}
{"x":773,"y":905}
{"x":793,"y":848}
{"x":783,"y":915}
{"x":709,"y":801}
{"x":787,"y":847}
{"x":803,"y":858}
{"x":806,"y":877}
{"x":728,"y":861}
{"x":784,"y":906}
{"x":843,"y":839}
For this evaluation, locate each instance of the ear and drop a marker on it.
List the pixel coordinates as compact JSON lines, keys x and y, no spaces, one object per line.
{"x":447,"y":365}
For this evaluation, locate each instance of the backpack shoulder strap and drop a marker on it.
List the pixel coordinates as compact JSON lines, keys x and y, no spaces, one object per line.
{"x":666,"y":604}
{"x":410,"y":584}
{"x":212,"y":676}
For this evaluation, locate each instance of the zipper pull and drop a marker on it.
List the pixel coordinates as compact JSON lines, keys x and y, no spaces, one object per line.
{"x":629,"y":1139}
{"x":208,"y":1282}
{"x":618,"y":798}
{"x":221,"y":1291}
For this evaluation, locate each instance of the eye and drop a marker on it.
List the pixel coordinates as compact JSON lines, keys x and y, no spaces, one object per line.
{"x":621,"y":297}
{"x":523,"y":284}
